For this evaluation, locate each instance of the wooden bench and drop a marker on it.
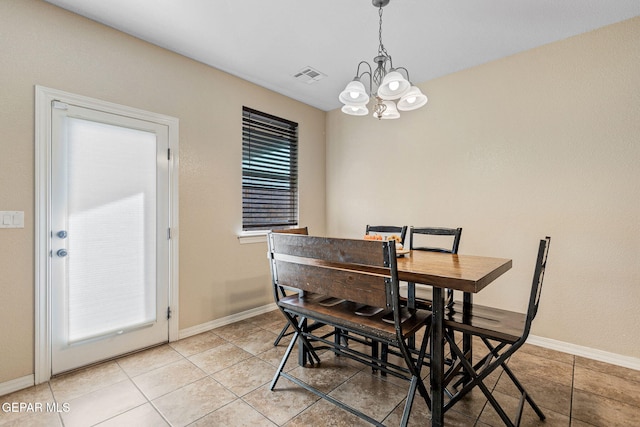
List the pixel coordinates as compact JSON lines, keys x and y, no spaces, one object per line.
{"x":353,"y":273}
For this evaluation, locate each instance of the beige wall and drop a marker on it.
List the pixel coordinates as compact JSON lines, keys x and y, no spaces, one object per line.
{"x":42,"y":44}
{"x":544,"y":142}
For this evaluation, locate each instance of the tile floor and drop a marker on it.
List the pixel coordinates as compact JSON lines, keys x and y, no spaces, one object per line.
{"x":221,"y":378}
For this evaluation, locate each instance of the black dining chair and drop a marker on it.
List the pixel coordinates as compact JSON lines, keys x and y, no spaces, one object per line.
{"x":503,"y":333}
{"x":297,"y":230}
{"x":432,"y":239}
{"x":386,"y":230}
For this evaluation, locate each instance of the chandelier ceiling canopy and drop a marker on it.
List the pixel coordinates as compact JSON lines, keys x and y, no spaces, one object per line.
{"x":386,"y":85}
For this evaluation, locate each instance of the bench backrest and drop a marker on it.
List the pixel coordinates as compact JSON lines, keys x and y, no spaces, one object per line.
{"x":297,"y":230}
{"x":356,"y":270}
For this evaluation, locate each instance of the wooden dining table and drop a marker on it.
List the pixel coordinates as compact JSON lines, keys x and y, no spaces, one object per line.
{"x":467,"y":273}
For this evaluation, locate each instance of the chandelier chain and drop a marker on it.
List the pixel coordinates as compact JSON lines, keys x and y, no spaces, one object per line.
{"x":381,"y":49}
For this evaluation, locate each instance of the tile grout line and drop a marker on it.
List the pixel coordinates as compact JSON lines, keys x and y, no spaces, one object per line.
{"x":56,"y":402}
{"x":573,"y":382}
{"x":210,"y":375}
{"x":144,"y":395}
{"x":241,"y":398}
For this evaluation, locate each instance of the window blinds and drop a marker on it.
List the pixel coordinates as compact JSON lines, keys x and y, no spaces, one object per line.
{"x":269,"y":171}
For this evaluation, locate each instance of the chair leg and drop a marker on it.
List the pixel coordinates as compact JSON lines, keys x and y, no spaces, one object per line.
{"x":486,"y":367}
{"x":416,"y":368}
{"x":476,"y":378}
{"x":524,"y":393}
{"x":283,"y":332}
{"x":496,"y":406}
{"x":495,"y":351}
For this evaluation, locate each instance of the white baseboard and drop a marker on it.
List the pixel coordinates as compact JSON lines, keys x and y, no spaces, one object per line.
{"x":17,"y":384}
{"x":587,"y":352}
{"x":204,"y":327}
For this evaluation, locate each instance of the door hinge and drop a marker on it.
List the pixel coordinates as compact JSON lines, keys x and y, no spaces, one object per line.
{"x":168,"y":153}
{"x":168,"y":313}
{"x":169,"y":233}
{"x":59,"y":105}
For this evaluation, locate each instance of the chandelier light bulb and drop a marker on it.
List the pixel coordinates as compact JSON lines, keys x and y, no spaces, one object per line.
{"x":354,"y":93}
{"x":393,"y":86}
{"x":412,"y":100}
{"x":355,"y":109}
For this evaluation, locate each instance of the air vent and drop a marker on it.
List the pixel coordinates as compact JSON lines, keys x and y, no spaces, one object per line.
{"x":309,"y":75}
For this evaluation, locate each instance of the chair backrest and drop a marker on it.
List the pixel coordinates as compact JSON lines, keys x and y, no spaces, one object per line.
{"x":361,"y":271}
{"x":455,"y":233}
{"x":536,"y":286}
{"x":299,"y":230}
{"x":388,"y":229}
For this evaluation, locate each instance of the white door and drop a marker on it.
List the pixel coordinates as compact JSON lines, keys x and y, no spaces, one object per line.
{"x":109,"y":260}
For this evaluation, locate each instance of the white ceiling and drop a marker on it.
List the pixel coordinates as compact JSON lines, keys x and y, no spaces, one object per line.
{"x":268,"y":42}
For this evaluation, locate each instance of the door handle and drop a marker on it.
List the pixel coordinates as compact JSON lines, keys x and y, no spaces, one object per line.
{"x":62,"y":253}
{"x":62,"y":234}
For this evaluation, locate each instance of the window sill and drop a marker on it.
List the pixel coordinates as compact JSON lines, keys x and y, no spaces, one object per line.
{"x":252,"y":237}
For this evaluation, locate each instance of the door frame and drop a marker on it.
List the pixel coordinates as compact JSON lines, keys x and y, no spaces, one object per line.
{"x":42,"y":292}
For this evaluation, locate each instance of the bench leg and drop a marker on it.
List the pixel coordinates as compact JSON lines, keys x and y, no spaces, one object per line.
{"x":284,"y":360}
{"x":305,"y":347}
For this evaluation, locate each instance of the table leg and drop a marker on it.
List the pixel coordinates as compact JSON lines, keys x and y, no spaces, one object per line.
{"x":411,"y":304}
{"x":411,"y":295}
{"x":467,"y":347}
{"x":437,"y":359}
{"x":303,"y":354}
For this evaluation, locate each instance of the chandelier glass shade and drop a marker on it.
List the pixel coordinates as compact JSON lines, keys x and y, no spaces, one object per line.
{"x":412,"y":99}
{"x":354,"y":93}
{"x":386,"y":84}
{"x":355,"y":109}
{"x":393,"y":86}
{"x":389,"y":112}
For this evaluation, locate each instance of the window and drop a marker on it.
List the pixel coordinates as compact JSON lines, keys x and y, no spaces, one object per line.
{"x":269,"y":171}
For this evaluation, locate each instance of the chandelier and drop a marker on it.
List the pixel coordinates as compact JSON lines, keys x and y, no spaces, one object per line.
{"x":388,"y":82}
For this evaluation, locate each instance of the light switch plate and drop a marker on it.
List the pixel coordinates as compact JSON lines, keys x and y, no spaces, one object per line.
{"x":11,"y":219}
